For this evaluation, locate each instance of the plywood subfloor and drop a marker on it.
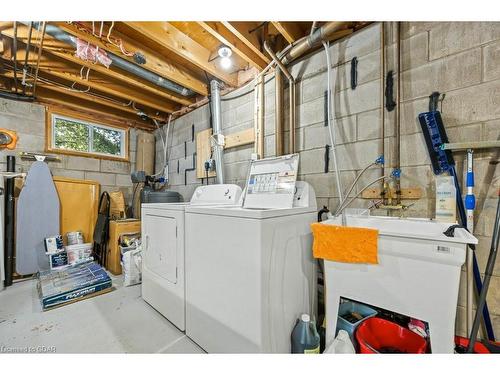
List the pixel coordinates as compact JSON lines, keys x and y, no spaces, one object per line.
{"x":116,"y":322}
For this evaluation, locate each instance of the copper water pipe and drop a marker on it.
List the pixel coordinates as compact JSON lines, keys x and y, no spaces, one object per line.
{"x":259,"y":117}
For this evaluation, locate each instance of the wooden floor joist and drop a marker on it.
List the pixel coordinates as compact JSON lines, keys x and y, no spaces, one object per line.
{"x":67,"y":53}
{"x":247,"y":32}
{"x":179,"y":43}
{"x":95,"y":99}
{"x":226,"y":37}
{"x":86,"y":107}
{"x":154,"y":62}
{"x":290,"y":30}
{"x":157,"y":68}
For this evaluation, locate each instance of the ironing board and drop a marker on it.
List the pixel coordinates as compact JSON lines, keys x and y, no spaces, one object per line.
{"x":37,"y":217}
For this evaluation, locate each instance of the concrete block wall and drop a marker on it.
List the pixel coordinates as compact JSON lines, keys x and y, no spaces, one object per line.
{"x":28,"y":120}
{"x":458,"y":59}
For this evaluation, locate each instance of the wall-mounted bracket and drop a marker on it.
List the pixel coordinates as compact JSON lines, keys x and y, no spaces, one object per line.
{"x":327,"y":158}
{"x":390,"y":104}
{"x":406,"y":193}
{"x":354,"y":73}
{"x":204,"y":147}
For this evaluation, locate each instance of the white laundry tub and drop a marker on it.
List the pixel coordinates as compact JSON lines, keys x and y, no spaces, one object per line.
{"x":418,"y":274}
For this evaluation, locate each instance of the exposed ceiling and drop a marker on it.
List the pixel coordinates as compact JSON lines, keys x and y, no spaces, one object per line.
{"x":176,"y":62}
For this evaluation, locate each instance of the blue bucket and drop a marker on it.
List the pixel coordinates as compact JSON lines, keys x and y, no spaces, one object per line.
{"x":352,"y":307}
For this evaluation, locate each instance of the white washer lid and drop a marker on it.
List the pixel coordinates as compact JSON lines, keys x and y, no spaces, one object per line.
{"x":180,"y":206}
{"x":251,"y":213}
{"x":214,"y":195}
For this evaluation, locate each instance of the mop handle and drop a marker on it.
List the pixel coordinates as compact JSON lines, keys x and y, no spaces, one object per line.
{"x":477,"y":275}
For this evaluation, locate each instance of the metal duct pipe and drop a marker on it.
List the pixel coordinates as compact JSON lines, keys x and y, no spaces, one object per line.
{"x":291,"y":85}
{"x":320,"y":34}
{"x":123,"y":64}
{"x":218,"y":145}
{"x":278,"y":123}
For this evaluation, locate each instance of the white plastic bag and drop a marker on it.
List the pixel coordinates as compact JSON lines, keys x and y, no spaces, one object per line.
{"x":341,"y":345}
{"x":132,"y":267}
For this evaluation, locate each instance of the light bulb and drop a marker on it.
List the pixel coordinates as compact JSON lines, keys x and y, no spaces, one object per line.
{"x":225,"y":62}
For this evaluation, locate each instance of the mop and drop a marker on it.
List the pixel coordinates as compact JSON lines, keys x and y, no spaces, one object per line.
{"x":442,"y":161}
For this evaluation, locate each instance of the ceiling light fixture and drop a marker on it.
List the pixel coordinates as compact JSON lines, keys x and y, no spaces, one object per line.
{"x":225,"y":53}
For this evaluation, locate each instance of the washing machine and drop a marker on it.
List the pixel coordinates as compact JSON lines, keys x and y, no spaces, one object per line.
{"x":249,"y":270}
{"x":162,"y":226}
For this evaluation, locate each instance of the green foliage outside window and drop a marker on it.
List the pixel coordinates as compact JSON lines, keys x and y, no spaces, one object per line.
{"x":70,"y":135}
{"x":85,"y":137}
{"x":106,"y":141}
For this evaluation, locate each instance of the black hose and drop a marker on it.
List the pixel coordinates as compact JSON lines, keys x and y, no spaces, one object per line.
{"x":324,"y":210}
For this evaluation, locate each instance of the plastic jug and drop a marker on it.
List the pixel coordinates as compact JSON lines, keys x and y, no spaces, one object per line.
{"x":305,"y":337}
{"x":446,"y":198}
{"x":341,"y":345}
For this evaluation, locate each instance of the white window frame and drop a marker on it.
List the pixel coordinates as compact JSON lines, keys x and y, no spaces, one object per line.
{"x":91,"y":126}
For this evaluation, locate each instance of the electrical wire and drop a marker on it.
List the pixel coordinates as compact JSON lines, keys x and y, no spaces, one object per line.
{"x":331,"y":131}
{"x":97,"y":47}
{"x":120,"y":45}
{"x":164,"y":141}
{"x":86,"y":78}
{"x":94,"y":94}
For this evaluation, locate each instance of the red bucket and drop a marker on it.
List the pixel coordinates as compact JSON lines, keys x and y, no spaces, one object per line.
{"x":463,"y":343}
{"x":376,"y":335}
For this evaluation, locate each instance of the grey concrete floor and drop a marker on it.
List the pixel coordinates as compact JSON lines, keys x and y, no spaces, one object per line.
{"x":116,"y":322}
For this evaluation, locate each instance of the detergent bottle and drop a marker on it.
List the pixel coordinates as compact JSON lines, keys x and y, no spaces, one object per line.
{"x":446,"y":199}
{"x":305,"y":337}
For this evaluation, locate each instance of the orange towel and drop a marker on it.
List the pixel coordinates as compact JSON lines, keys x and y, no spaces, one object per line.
{"x":345,"y":244}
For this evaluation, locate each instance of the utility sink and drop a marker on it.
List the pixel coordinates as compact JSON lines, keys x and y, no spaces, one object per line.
{"x":418,"y":274}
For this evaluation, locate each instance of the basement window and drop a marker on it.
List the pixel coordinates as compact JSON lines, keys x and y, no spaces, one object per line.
{"x":75,"y":136}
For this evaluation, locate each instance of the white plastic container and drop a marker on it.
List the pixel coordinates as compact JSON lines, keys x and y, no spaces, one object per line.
{"x":341,"y":345}
{"x":78,"y":253}
{"x":446,"y":199}
{"x":418,"y":274}
{"x":74,"y":238}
